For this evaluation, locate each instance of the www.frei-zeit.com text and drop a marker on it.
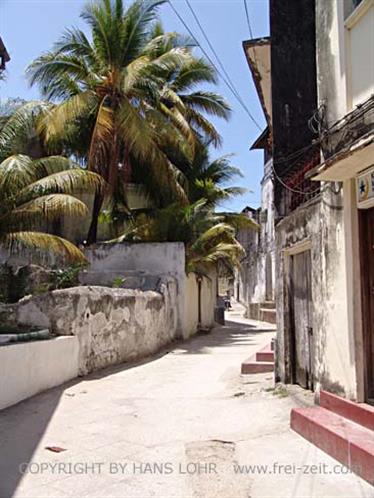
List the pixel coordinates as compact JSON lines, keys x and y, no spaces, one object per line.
{"x":188,"y":468}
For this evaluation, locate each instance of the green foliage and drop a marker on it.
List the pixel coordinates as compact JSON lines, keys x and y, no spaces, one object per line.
{"x":208,"y":238}
{"x":129,"y":93}
{"x":42,"y":288}
{"x":118,"y":282}
{"x":68,"y":277}
{"x":35,"y":192}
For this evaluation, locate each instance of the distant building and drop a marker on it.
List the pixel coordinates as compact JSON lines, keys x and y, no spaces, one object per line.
{"x":254,"y":283}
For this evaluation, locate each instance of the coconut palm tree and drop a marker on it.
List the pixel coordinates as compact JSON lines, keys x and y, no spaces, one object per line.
{"x":116,"y":82}
{"x":181,"y":100}
{"x":208,"y":178}
{"x":34,"y":192}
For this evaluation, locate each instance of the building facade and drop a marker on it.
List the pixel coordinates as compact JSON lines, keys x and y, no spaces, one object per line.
{"x":255,"y":281}
{"x":320,"y":116}
{"x":345,"y":70}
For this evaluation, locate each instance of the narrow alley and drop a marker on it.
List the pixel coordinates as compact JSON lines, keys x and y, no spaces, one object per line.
{"x":182,"y":424}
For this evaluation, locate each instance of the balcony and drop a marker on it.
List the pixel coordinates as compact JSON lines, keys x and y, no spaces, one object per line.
{"x":348,"y":145}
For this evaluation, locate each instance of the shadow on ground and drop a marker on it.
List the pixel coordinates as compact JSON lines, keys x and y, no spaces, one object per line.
{"x":22,"y":426}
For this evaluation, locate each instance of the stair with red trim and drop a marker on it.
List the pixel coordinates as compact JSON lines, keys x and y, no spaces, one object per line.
{"x":260,"y":362}
{"x":361,"y":413}
{"x":341,"y":428}
{"x":268,"y":312}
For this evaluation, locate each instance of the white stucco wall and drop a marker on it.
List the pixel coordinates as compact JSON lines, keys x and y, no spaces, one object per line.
{"x":158,"y":259}
{"x":251,"y":279}
{"x":191,"y":305}
{"x":331,"y":58}
{"x":360,"y":53}
{"x":208,"y":303}
{"x":31,"y":367}
{"x":208,"y":300}
{"x":345,"y":69}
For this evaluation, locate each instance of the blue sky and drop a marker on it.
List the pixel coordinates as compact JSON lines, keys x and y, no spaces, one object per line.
{"x":28,"y":27}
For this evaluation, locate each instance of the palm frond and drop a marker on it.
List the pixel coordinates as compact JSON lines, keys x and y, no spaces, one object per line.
{"x":137,"y":21}
{"x":20,"y":126}
{"x":192,"y":73}
{"x":72,"y":181}
{"x":43,"y":209}
{"x":209,"y":102}
{"x":240,"y":221}
{"x":16,"y":172}
{"x":205,"y":126}
{"x":55,"y":122}
{"x":39,"y":242}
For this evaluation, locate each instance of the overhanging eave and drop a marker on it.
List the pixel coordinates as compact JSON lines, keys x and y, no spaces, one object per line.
{"x":347,"y":164}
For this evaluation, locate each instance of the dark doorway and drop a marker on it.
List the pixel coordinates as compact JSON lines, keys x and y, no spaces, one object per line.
{"x":301,"y":320}
{"x":367,"y":272}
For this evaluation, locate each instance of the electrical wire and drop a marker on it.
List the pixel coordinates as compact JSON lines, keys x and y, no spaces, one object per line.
{"x":224,"y":79}
{"x":212,"y":48}
{"x":248,"y":20}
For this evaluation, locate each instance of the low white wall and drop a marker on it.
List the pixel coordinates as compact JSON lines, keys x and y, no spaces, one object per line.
{"x":191,"y":306}
{"x":208,"y":303}
{"x":161,"y":258}
{"x":31,"y":367}
{"x":112,"y":325}
{"x":208,"y":300}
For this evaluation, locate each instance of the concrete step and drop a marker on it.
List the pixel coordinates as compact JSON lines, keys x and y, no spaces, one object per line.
{"x":269,"y":305}
{"x":251,"y":366}
{"x":348,"y":442}
{"x":266,"y":354}
{"x":260,"y":362}
{"x":361,"y":413}
{"x":268,"y":315}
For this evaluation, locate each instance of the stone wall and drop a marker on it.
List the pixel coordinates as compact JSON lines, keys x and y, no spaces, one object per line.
{"x":132,"y":260}
{"x":112,"y":325}
{"x":154,"y":304}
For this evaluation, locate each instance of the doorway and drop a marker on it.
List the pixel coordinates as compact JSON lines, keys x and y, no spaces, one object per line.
{"x":367,"y":273}
{"x":301,"y":314}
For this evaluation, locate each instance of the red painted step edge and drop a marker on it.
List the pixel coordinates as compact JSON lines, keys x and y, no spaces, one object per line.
{"x":346,"y":441}
{"x":251,"y":365}
{"x":265,"y":355}
{"x":361,"y":413}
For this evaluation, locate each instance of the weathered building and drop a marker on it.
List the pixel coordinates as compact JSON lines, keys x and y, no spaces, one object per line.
{"x":319,"y":108}
{"x":255,"y":279}
{"x":314,"y":344}
{"x":345,"y":122}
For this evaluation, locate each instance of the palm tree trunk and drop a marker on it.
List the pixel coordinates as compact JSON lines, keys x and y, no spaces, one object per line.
{"x":92,"y":232}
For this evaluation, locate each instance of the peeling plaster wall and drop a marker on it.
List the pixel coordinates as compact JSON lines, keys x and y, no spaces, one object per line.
{"x":112,"y":325}
{"x":320,"y":226}
{"x":108,"y":261}
{"x":342,"y":81}
{"x":255,"y":280}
